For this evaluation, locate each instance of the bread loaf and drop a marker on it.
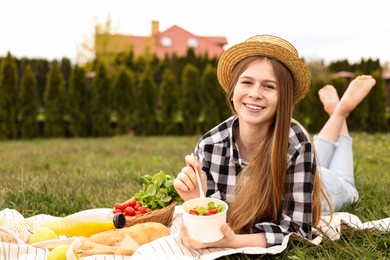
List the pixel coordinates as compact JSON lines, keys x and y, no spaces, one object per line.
{"x":135,"y":235}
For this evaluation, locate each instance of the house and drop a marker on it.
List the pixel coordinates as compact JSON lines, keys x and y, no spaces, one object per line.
{"x":173,"y":41}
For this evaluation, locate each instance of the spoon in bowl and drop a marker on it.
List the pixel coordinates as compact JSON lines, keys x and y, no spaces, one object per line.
{"x":201,"y":192}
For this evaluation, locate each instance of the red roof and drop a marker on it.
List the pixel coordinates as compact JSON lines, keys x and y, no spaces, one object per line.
{"x":182,"y":40}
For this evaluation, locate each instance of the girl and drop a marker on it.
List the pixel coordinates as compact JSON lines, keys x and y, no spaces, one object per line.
{"x":260,"y":161}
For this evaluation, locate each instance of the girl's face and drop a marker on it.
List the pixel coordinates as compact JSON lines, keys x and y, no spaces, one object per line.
{"x":255,"y":96}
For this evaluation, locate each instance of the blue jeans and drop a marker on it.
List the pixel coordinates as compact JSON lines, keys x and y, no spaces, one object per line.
{"x":337,"y":171}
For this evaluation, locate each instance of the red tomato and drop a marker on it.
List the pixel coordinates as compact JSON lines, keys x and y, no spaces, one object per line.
{"x":212,"y":211}
{"x":131,"y":202}
{"x":142,"y":210}
{"x":124,"y":205}
{"x":193,"y":212}
{"x":137,"y":212}
{"x":137,"y":205}
{"x":129,"y":211}
{"x":148,"y":210}
{"x":115,"y":211}
{"x":118,"y":206}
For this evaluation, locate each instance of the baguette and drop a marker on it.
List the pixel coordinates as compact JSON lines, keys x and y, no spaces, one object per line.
{"x":113,"y":241}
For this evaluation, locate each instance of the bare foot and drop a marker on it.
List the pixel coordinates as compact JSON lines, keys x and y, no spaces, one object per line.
{"x":357,"y":90}
{"x":329,"y":98}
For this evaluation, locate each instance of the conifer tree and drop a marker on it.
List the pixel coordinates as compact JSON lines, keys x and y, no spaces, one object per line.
{"x":8,"y":98}
{"x":214,"y":102}
{"x":100,"y":103}
{"x":376,"y":121}
{"x":341,"y":65}
{"x":123,"y":100}
{"x":170,"y":106}
{"x":128,"y":60}
{"x":368,"y":66}
{"x":357,"y":119}
{"x":29,"y":105}
{"x":40,"y":67}
{"x":191,"y":94}
{"x":79,"y":105}
{"x":146,"y":105}
{"x":54,"y":102}
{"x":66,"y":69}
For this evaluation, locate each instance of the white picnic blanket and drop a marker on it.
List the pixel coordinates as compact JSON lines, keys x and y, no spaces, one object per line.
{"x":171,"y":247}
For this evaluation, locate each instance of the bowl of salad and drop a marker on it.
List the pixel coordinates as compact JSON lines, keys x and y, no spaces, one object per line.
{"x":203,"y":218}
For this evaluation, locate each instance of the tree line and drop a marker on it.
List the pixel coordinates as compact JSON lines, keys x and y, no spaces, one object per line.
{"x":146,"y":96}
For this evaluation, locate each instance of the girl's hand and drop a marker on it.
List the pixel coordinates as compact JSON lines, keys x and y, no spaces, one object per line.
{"x":185,"y":183}
{"x":226,"y":241}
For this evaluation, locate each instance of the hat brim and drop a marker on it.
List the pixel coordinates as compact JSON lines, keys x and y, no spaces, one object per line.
{"x":238,"y":52}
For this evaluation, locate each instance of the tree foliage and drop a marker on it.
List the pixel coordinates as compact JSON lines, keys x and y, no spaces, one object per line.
{"x":54,"y":97}
{"x":9,"y":97}
{"x":191,"y":96}
{"x":376,"y":121}
{"x":146,"y":117}
{"x":170,"y":108}
{"x":29,"y":105}
{"x":213,"y":102}
{"x":100,"y":103}
{"x":79,"y":105}
{"x":123,"y":100}
{"x":147,"y":96}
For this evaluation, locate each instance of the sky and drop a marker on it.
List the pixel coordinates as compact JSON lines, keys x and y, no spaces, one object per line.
{"x":327,"y":30}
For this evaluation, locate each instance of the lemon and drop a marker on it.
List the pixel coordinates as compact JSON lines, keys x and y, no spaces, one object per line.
{"x":59,"y":253}
{"x":42,"y":234}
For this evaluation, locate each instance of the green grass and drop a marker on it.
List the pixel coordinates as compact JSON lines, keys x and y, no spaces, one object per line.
{"x":63,"y":176}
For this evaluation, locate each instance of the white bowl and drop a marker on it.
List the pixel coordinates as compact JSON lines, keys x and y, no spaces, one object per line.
{"x":205,"y":229}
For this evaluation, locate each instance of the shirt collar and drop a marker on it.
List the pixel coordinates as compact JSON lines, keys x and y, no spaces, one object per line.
{"x":234,"y":155}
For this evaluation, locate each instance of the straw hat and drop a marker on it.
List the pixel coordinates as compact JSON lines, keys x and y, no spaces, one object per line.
{"x":270,"y":46}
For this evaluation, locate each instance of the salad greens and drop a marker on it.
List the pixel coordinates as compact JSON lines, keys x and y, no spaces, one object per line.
{"x":210,"y":210}
{"x":158,"y":191}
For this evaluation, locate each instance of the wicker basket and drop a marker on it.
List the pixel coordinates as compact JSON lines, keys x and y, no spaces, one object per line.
{"x":163,"y":216}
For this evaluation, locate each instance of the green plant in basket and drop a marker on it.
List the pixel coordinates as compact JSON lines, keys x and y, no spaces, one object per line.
{"x":158,"y":191}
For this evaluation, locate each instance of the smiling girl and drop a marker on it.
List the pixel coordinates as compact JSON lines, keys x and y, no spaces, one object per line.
{"x":260,"y":161}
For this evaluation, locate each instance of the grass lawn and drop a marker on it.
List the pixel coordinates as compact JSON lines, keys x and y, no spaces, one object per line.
{"x":63,"y":176}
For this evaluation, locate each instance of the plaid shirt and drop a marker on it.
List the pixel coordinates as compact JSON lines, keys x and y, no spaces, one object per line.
{"x":222,"y":163}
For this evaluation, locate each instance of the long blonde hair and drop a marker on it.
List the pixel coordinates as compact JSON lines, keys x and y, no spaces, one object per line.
{"x":261,"y":184}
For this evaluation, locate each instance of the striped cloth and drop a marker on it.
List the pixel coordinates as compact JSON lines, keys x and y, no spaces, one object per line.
{"x":171,"y":247}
